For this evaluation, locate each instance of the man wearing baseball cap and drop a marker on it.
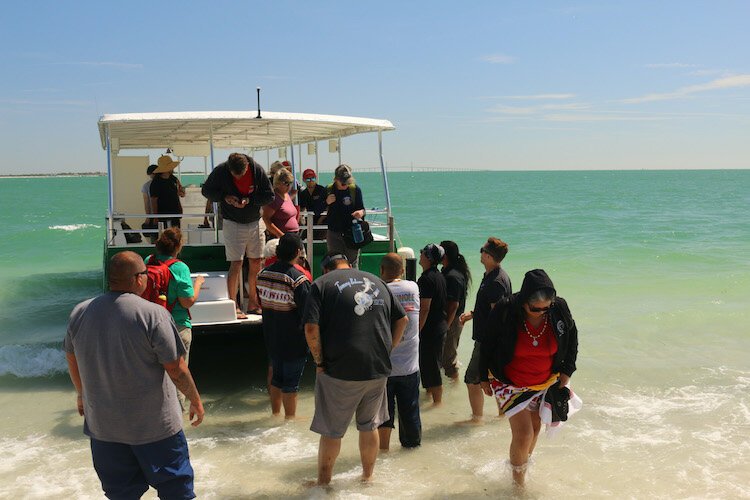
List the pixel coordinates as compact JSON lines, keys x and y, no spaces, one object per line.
{"x":313,"y":199}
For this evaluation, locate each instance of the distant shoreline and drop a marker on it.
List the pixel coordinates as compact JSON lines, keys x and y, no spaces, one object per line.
{"x":62,"y":174}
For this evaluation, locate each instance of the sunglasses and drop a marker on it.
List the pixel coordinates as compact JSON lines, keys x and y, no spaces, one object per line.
{"x":311,"y":179}
{"x":142,"y":273}
{"x":538,"y":309}
{"x":286,"y":183}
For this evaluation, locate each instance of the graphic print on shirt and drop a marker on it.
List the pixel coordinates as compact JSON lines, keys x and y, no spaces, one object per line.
{"x":365,"y":298}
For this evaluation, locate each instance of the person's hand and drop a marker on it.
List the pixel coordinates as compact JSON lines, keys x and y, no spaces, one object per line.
{"x":320,"y":369}
{"x":330,"y":199}
{"x":196,"y":412}
{"x":199,"y":280}
{"x":79,"y":404}
{"x":564,"y":380}
{"x":465,"y":317}
{"x":181,"y":191}
{"x":486,"y":387}
{"x":233,"y":200}
{"x":358,"y":214}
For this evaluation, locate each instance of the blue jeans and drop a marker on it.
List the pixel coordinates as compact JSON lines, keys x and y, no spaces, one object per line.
{"x":126,"y":471}
{"x":403,"y":392}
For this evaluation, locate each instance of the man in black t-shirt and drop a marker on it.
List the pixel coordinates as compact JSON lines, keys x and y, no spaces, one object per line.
{"x":495,"y":287}
{"x":313,"y":199}
{"x":432,"y":320}
{"x":352,"y":321}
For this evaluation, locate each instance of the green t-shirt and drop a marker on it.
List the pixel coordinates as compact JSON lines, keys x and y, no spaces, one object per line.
{"x":181,"y":285}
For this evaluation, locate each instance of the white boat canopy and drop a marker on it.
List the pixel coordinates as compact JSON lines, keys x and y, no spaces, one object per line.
{"x":229,"y":129}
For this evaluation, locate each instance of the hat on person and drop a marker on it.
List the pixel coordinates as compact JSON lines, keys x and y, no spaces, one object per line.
{"x":150,"y":169}
{"x":309,"y":174}
{"x":343,"y":173}
{"x":165,"y":164}
{"x":433,"y":252}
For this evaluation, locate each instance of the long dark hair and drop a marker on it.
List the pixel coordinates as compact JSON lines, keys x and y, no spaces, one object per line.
{"x":457,"y":261}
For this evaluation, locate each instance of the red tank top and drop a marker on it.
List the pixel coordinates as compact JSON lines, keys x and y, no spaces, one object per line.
{"x":532,"y":365}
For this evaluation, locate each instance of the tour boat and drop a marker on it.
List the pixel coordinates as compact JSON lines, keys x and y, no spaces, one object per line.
{"x":133,"y":141}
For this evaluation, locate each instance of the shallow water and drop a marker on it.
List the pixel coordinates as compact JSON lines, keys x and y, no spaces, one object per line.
{"x":653,"y":264}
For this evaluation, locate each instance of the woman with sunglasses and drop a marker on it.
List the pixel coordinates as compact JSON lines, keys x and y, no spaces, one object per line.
{"x":530,"y":348}
{"x":281,"y":215}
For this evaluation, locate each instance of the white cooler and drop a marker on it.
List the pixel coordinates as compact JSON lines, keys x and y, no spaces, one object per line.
{"x":214,"y":304}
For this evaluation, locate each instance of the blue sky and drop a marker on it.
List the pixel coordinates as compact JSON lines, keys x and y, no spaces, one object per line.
{"x":499,"y":85}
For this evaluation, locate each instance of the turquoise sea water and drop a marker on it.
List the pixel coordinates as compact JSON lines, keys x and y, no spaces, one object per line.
{"x":654,"y":265}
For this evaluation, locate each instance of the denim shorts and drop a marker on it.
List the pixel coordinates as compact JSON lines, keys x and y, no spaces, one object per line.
{"x":287,"y":374}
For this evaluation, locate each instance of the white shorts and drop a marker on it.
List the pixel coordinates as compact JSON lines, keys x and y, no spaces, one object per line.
{"x":244,"y":239}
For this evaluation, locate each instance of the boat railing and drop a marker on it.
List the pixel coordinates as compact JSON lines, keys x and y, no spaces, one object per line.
{"x":308,"y":228}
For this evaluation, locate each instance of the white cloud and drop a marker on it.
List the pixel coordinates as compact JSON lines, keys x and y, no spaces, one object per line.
{"x":728,"y":82}
{"x":671,"y":65}
{"x":499,"y":59}
{"x":539,"y":97}
{"x":541,"y":108}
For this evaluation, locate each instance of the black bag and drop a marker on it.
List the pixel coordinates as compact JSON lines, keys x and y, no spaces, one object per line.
{"x":558,"y":398}
{"x":349,"y":236}
{"x":130,"y":237}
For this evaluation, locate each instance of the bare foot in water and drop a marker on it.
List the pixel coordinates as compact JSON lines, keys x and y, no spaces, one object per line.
{"x":474,"y":420}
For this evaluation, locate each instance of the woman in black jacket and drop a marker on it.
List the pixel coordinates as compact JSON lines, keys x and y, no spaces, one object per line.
{"x":530,"y":348}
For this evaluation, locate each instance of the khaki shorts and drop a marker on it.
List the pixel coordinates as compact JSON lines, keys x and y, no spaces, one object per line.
{"x":336,"y":401}
{"x":244,"y":239}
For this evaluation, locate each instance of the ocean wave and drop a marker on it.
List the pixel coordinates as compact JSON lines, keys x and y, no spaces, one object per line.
{"x":73,"y":227}
{"x":25,"y":361}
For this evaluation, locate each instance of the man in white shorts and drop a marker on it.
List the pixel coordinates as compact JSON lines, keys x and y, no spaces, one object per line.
{"x":241,"y":186}
{"x":352,"y":322}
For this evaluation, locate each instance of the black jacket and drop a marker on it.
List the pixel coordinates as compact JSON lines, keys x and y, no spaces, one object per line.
{"x":499,"y":343}
{"x":220,"y":184}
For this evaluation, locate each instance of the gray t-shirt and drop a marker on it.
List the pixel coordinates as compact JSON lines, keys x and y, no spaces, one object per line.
{"x":120,"y":342}
{"x":405,"y":357}
{"x":146,"y":189}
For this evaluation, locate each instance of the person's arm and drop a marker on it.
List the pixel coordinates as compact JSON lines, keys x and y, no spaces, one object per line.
{"x":154,"y":205}
{"x":569,"y":363}
{"x":450,"y":310}
{"x":146,"y":203}
{"x":179,"y":372}
{"x":397,"y":329}
{"x":212,"y":189}
{"x":312,"y":335}
{"x":75,"y":377}
{"x":359,"y":205}
{"x":180,"y":189}
{"x":467,"y":316}
{"x":187,"y":302}
{"x":424,"y":311}
{"x":267,"y":212}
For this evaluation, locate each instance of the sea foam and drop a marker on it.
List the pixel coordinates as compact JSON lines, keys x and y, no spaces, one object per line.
{"x":73,"y":227}
{"x":25,"y":361}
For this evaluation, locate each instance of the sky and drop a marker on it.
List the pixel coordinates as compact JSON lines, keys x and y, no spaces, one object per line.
{"x":506,"y":85}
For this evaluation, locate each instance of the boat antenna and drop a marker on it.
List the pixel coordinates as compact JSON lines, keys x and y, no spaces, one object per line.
{"x":258,"y":90}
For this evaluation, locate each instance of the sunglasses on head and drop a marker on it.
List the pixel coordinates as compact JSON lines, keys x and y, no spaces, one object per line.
{"x":538,"y":309}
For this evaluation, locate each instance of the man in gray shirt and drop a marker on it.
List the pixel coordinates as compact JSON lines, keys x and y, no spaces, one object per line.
{"x":125,"y":358}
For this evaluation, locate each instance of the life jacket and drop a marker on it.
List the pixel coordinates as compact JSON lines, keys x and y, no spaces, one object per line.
{"x":159,"y":276}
